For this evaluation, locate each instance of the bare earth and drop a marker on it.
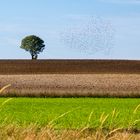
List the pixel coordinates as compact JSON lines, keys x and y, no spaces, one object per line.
{"x":53,"y":85}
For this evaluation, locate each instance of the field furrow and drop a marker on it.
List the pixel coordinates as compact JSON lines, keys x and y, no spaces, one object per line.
{"x":120,"y":85}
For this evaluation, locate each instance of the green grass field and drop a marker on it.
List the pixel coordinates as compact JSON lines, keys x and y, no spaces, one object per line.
{"x":71,"y":112}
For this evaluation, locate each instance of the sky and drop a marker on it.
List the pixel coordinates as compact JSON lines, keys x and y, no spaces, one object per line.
{"x":48,"y":19}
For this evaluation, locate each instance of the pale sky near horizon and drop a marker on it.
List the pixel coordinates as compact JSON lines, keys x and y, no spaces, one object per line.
{"x":48,"y":19}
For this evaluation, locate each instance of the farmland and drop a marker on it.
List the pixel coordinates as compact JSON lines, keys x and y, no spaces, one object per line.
{"x":25,"y":111}
{"x":70,"y":78}
{"x":76,"y":117}
{"x":69,"y":66}
{"x":71,"y":118}
{"x":72,"y":85}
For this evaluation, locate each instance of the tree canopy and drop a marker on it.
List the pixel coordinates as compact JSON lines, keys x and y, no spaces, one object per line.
{"x":33,"y":44}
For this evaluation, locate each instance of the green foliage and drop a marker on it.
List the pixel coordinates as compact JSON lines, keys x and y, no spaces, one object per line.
{"x":33,"y":44}
{"x":72,"y":112}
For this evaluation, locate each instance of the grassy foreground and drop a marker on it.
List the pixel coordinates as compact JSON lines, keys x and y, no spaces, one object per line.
{"x":71,"y":113}
{"x":80,"y":118}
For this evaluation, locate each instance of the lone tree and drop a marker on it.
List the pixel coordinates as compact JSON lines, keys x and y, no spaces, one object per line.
{"x":33,"y":44}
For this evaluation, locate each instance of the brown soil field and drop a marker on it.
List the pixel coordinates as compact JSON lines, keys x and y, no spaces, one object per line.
{"x":72,"y":85}
{"x":69,"y":66}
{"x":71,"y":78}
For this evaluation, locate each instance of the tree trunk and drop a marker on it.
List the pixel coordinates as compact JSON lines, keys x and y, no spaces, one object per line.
{"x":34,"y":57}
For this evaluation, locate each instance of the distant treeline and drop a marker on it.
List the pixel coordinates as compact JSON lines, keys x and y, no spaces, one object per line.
{"x":69,"y":66}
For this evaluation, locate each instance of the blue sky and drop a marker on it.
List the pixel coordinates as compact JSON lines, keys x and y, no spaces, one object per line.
{"x":49,"y":18}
